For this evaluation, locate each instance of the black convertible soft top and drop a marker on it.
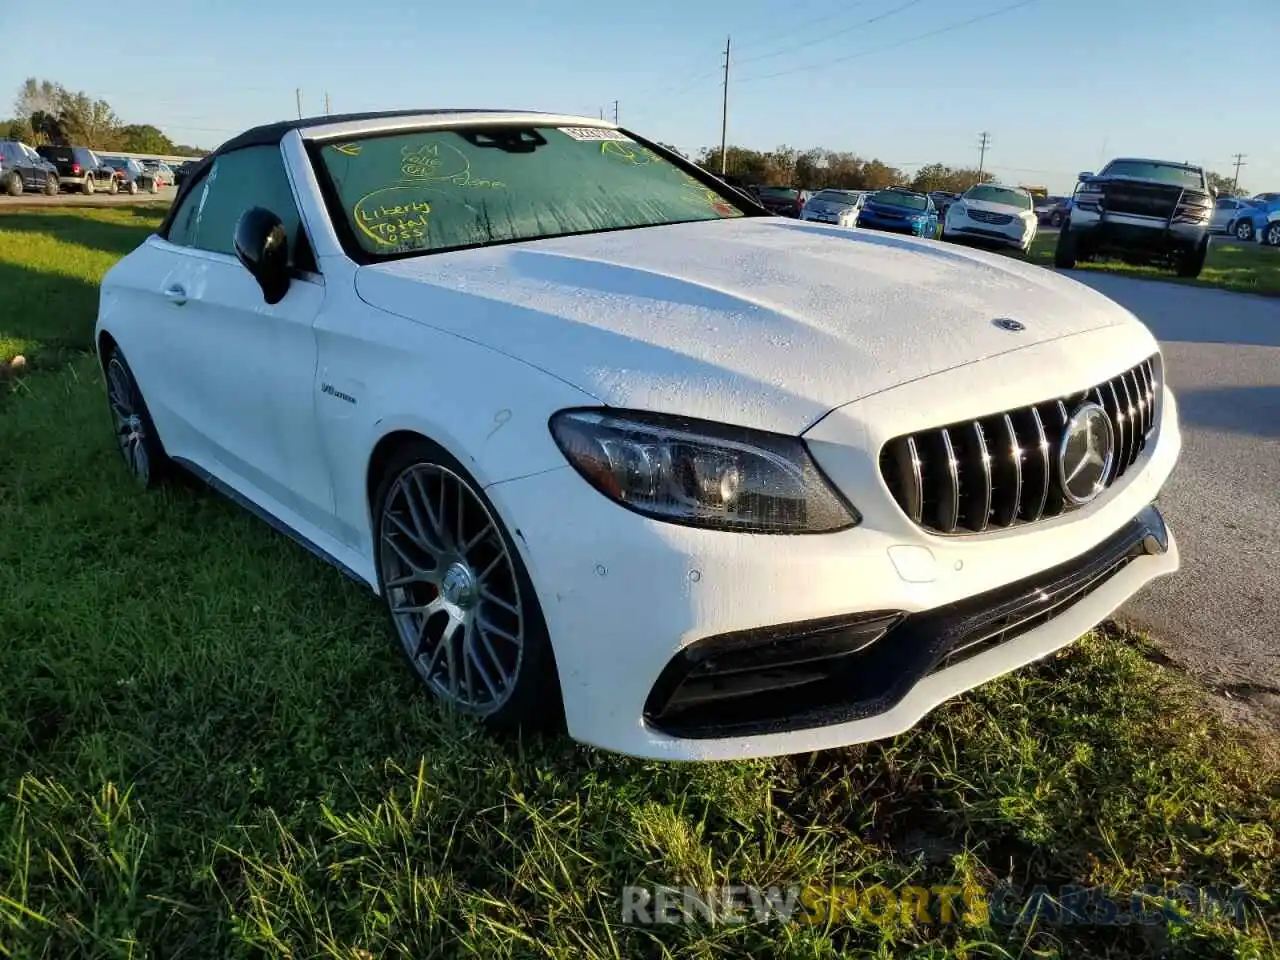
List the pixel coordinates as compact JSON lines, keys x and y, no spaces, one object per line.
{"x":270,"y":135}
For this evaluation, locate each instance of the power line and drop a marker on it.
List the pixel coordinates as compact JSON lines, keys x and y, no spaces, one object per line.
{"x":831,"y":35}
{"x":724,"y":111}
{"x":892,"y":46}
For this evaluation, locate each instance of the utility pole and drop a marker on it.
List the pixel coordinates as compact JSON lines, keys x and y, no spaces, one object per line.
{"x":615,"y":111}
{"x":982,"y":155}
{"x":297,"y":95}
{"x":1235,"y":182}
{"x":326,"y":103}
{"x":724,"y":112}
{"x":602,"y":113}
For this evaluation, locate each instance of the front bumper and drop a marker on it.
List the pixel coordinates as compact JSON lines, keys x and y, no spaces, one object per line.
{"x":630,"y":602}
{"x":1010,"y":235}
{"x":891,"y":225}
{"x":1122,"y":232}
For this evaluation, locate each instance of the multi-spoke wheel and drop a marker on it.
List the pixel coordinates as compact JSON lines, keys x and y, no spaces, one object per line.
{"x":461,"y":601}
{"x":135,"y":433}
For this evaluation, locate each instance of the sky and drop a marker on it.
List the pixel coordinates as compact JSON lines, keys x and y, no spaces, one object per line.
{"x":1059,"y":85}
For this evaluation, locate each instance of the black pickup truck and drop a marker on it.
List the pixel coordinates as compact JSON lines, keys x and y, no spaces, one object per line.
{"x":1142,"y":212}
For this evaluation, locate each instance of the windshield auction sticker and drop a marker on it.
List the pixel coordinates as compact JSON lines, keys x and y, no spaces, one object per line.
{"x":594,"y":133}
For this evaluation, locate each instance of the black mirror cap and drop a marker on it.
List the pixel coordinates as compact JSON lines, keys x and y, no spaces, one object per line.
{"x":262,"y":245}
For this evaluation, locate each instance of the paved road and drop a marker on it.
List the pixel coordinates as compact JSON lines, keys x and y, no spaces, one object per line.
{"x":31,"y":199}
{"x":1220,"y":615}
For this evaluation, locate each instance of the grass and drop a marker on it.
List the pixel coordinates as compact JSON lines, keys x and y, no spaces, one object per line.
{"x":209,"y":749}
{"x":1246,"y":268}
{"x":51,"y":260}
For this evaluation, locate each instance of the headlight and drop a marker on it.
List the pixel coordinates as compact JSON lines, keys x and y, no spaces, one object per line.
{"x":701,"y":474}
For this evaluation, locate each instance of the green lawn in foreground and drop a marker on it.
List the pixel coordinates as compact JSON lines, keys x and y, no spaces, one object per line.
{"x":51,"y":260}
{"x":209,"y":749}
{"x":1248,"y":268}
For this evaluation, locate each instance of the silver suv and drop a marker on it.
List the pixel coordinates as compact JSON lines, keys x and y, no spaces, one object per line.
{"x":1143,"y":212}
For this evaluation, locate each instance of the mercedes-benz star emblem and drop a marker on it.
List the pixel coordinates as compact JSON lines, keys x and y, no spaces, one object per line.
{"x":1010,"y":324}
{"x":1086,"y":454}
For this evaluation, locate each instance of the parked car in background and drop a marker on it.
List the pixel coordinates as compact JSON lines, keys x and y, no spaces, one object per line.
{"x":993,"y":212}
{"x":160,"y":171}
{"x":78,"y":169}
{"x":1226,"y":214}
{"x":1268,"y":231}
{"x":942,"y":201}
{"x":720,"y":513}
{"x":1265,"y":197}
{"x":833,"y":206}
{"x":1051,"y":211}
{"x":1143,"y":212}
{"x":22,"y":168}
{"x":1253,"y":222}
{"x":899,"y":211}
{"x":131,"y":175}
{"x":784,"y":201}
{"x":182,"y":171}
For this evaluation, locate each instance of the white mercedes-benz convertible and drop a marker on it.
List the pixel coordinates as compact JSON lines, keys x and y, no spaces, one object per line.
{"x":621,"y":450}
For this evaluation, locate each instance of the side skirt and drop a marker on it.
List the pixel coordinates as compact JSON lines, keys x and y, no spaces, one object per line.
{"x":236,"y":497}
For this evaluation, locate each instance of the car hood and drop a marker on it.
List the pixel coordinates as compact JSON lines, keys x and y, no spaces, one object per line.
{"x":991,"y":207}
{"x":762,"y":322}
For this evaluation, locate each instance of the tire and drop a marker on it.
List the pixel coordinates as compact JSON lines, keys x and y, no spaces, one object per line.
{"x":133,"y":187}
{"x":1055,"y":220}
{"x":13,"y":185}
{"x":51,"y":186}
{"x":153,"y":188}
{"x":507,"y":665}
{"x":88,"y":186}
{"x":136,"y":435}
{"x":1066,"y":253}
{"x":1190,"y":263}
{"x":1271,"y":236}
{"x":1244,"y":230}
{"x":113,"y":188}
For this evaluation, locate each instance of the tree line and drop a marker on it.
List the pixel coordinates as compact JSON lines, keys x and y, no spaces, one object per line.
{"x":816,"y":168}
{"x":47,"y":112}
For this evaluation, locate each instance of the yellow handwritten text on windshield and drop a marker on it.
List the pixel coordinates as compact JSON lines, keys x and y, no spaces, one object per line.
{"x":396,"y":217}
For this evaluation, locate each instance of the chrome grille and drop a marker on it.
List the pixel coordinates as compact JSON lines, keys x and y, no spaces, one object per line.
{"x":1001,"y":470}
{"x":986,"y":216}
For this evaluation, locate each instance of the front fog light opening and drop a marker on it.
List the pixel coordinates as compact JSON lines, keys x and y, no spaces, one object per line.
{"x":700,"y":473}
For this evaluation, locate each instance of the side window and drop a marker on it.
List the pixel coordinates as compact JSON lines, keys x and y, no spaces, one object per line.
{"x":240,"y":180}
{"x":182,"y":230}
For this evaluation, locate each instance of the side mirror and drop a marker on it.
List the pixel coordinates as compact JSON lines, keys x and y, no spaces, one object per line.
{"x":1213,"y":191}
{"x":1088,"y":174}
{"x":263,"y":247}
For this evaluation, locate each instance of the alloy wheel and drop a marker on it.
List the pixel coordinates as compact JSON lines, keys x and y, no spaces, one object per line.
{"x":1273,"y":235}
{"x":1244,"y":230}
{"x":452,"y":589}
{"x":126,"y":412}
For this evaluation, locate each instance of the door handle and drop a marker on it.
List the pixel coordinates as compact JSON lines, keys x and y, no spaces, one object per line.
{"x":176,"y":294}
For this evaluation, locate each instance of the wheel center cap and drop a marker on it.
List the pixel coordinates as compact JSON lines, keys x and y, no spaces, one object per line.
{"x":459,"y":586}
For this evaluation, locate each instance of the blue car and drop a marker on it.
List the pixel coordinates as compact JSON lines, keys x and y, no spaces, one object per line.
{"x":900,"y":211}
{"x":1252,"y":223}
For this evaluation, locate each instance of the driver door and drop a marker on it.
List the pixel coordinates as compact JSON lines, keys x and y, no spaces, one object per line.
{"x":242,"y":371}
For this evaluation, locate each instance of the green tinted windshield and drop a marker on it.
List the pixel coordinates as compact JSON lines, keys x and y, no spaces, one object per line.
{"x":442,"y":189}
{"x":1006,"y":195}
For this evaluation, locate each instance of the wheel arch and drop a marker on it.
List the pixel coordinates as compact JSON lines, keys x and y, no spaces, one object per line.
{"x":103,"y":344}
